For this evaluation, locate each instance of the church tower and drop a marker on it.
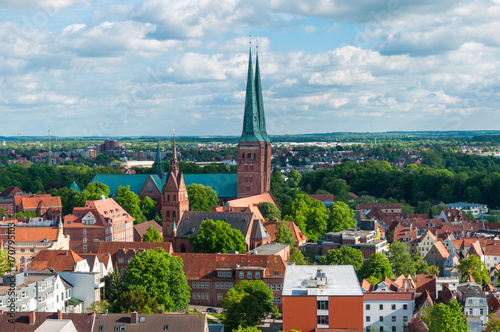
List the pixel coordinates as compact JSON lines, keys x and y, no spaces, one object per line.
{"x":175,"y":199}
{"x":254,"y":146}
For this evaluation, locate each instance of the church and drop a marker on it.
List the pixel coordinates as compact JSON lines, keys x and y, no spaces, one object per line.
{"x":253,"y":180}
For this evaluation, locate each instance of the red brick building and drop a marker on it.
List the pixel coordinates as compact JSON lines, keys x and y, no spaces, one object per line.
{"x":210,"y":276}
{"x":101,"y":220}
{"x":37,"y":203}
{"x":254,"y":147}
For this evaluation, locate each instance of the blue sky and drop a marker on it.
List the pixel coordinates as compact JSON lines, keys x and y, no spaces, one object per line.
{"x":130,"y":68}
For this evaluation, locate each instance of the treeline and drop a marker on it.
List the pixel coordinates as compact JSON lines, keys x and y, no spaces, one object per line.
{"x":451,"y":177}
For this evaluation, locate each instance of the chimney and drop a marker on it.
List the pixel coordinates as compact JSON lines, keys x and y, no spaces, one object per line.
{"x":32,"y":317}
{"x":134,"y":318}
{"x":59,"y":314}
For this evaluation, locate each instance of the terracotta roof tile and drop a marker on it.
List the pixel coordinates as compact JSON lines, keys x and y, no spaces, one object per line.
{"x":36,"y":234}
{"x":271,"y":229}
{"x":142,"y":228}
{"x":426,"y":282}
{"x":59,"y":260}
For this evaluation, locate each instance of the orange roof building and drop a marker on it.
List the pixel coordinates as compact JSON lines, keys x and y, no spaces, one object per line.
{"x":59,"y":260}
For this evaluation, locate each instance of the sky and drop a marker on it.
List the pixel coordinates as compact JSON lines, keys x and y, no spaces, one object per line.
{"x":135,"y":68}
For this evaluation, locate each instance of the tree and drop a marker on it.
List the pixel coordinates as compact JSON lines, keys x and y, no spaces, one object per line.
{"x":269,"y":211}
{"x":475,"y":267}
{"x":283,"y":233}
{"x":417,"y":325}
{"x":159,"y":274}
{"x":343,"y":256}
{"x":217,"y":236}
{"x":445,"y":318}
{"x":341,"y":217}
{"x":376,"y":268}
{"x":401,"y":261}
{"x":247,"y":303}
{"x":99,"y":307}
{"x":152,"y":235}
{"x":298,"y":257}
{"x":113,"y":285}
{"x":136,"y":300}
{"x":294,"y":178}
{"x":201,"y":198}
{"x":5,"y":262}
{"x":247,"y":329}
{"x":493,"y":324}
{"x":93,"y":192}
{"x":130,"y":202}
{"x":309,"y":215}
{"x":148,"y":208}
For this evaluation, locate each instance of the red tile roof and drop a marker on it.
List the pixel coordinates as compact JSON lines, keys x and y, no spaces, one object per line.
{"x":271,"y":229}
{"x":36,"y":234}
{"x":426,"y":282}
{"x":113,"y":247}
{"x":59,"y":260}
{"x":142,"y":228}
{"x":198,"y":266}
{"x":10,"y":191}
{"x":379,"y":205}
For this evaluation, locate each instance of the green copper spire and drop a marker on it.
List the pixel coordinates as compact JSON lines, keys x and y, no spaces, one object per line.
{"x":158,"y":165}
{"x":260,"y":102}
{"x":251,"y":123}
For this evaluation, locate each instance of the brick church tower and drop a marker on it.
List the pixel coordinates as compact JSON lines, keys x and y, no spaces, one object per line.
{"x":254,"y":146}
{"x":175,"y":199}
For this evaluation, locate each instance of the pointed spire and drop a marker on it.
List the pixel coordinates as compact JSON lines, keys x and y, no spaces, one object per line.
{"x":158,"y":165}
{"x":251,"y":127}
{"x":174,"y":162}
{"x":260,"y":102}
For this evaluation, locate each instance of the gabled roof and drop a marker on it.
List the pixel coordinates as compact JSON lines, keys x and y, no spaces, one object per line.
{"x":252,"y":200}
{"x":32,"y":202}
{"x":225,"y":185}
{"x":74,"y":186}
{"x":191,"y":221}
{"x":112,"y":248}
{"x":10,"y":191}
{"x":441,"y":249}
{"x":493,"y":305}
{"x":113,"y":181}
{"x":258,"y":231}
{"x":426,"y":282}
{"x":82,"y":322}
{"x":298,"y":235}
{"x":422,"y":299}
{"x":59,"y":260}
{"x":492,"y":250}
{"x":475,"y":249}
{"x":142,"y":228}
{"x":446,"y":295}
{"x":366,"y":285}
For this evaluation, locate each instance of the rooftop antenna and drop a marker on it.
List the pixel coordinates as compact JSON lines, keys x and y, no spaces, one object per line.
{"x":49,"y":155}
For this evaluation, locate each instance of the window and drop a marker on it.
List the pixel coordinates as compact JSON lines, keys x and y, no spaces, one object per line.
{"x":381,"y":329}
{"x":219,"y":274}
{"x":393,"y":307}
{"x":278,"y":299}
{"x":322,"y":320}
{"x":368,"y":329}
{"x":84,"y":240}
{"x":165,"y":328}
{"x":481,"y":311}
{"x":405,"y":306}
{"x":276,"y":273}
{"x":367,"y":319}
{"x":322,"y":305}
{"x":101,"y":327}
{"x":216,"y":285}
{"x":393,"y":329}
{"x":257,"y":275}
{"x":393,"y":318}
{"x":57,"y":298}
{"x":242,"y":275}
{"x":405,"y":319}
{"x":173,"y":213}
{"x":367,"y":307}
{"x":219,"y":296}
{"x":381,"y":318}
{"x":249,"y":275}
{"x":381,"y":307}
{"x":471,"y":311}
{"x":84,"y":231}
{"x":22,"y":250}
{"x":142,"y":319}
{"x":120,"y":260}
{"x":84,"y":248}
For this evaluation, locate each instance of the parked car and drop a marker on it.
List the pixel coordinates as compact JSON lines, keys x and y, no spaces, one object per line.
{"x":212,"y":310}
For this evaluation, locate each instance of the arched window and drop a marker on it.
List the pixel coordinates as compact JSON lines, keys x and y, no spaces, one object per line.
{"x":168,"y":214}
{"x":173,"y":214}
{"x":183,"y":247}
{"x":168,"y":198}
{"x":243,"y":155}
{"x":150,"y":186}
{"x":249,"y":155}
{"x":254,"y":155}
{"x":174,"y":198}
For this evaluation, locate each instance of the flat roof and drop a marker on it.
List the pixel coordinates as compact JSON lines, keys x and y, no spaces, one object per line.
{"x":269,"y":249}
{"x":335,"y":280}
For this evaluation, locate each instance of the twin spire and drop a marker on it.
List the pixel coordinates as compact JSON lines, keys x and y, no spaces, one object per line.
{"x":254,"y":120}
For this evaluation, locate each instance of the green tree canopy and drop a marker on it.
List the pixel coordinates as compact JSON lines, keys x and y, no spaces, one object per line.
{"x":269,"y":211}
{"x":148,"y":208}
{"x":113,"y":285}
{"x":152,"y":235}
{"x":160,"y":274}
{"x":93,"y":192}
{"x":5,"y":262}
{"x":99,"y":307}
{"x":217,"y":236}
{"x":376,"y":268}
{"x":475,"y":267}
{"x":343,"y":256}
{"x":401,"y":261}
{"x":283,"y":233}
{"x":341,"y":217}
{"x":247,"y":329}
{"x":298,"y":257}
{"x":130,"y":202}
{"x":201,"y":198}
{"x":310,"y":216}
{"x":136,"y":300}
{"x":445,"y":318}
{"x":247,"y":303}
{"x":294,"y":178}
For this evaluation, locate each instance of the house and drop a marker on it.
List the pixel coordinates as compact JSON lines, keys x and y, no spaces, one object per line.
{"x":326,"y":199}
{"x":491,"y":255}
{"x":388,"y":305}
{"x":366,"y":241}
{"x":423,"y":305}
{"x":58,"y":260}
{"x":475,"y":209}
{"x":426,"y":242}
{"x":210,"y":276}
{"x":453,"y":215}
{"x":322,"y":297}
{"x":37,"y":203}
{"x":298,"y":236}
{"x":474,"y":302}
{"x":407,"y":235}
{"x":437,"y":255}
{"x":33,"y":236}
{"x":100,"y":220}
{"x":426,"y":282}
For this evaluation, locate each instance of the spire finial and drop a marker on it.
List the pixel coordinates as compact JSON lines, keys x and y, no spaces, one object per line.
{"x":250,"y":40}
{"x":174,"y":162}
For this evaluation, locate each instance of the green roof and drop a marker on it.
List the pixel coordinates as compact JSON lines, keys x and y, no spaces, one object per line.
{"x":113,"y":181}
{"x":224,"y":184}
{"x":73,"y":300}
{"x":75,"y":186}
